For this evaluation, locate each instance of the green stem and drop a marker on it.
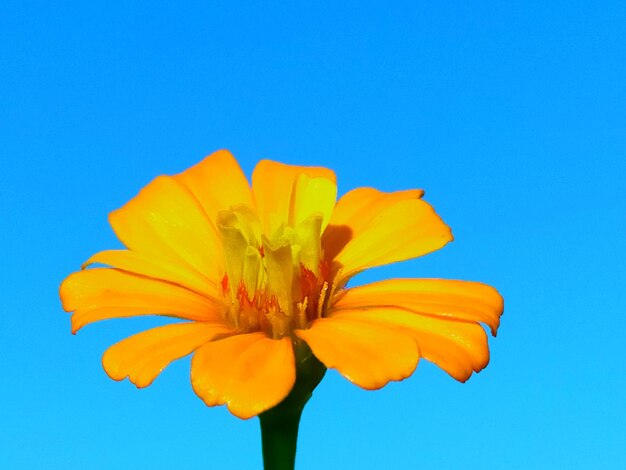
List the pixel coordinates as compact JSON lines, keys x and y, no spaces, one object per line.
{"x":279,"y":434}
{"x":279,"y":425}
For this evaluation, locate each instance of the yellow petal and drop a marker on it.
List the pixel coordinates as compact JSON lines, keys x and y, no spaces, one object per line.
{"x":218,"y":183}
{"x":355,"y":210}
{"x":307,"y":239}
{"x":367,"y":355}
{"x":234,"y":244}
{"x":280,"y":271}
{"x":143,"y":356}
{"x":166,"y":220}
{"x":104,"y":293}
{"x":399,"y":231}
{"x":249,"y":373}
{"x":244,"y":219}
{"x":288,"y":193}
{"x":459,"y":348}
{"x":253,"y":274}
{"x":312,"y":196}
{"x":446,"y":299}
{"x":155,"y":267}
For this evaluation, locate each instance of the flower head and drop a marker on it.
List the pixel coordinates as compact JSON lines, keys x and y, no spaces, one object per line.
{"x":253,"y":270}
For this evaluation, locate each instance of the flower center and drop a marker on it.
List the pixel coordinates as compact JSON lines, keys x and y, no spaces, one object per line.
{"x":272,"y":284}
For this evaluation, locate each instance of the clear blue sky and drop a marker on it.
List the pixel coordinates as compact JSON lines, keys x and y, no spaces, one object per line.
{"x":512,"y":117}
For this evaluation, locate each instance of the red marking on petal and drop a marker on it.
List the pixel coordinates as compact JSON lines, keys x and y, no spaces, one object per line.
{"x":225,"y":284}
{"x":308,"y":281}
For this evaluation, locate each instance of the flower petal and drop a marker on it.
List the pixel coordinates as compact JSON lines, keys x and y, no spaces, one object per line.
{"x":387,"y":231}
{"x":288,"y":194}
{"x":250,"y":373}
{"x":354,"y":211}
{"x":155,"y":267}
{"x":143,"y":356}
{"x":446,"y":299}
{"x":103,"y":293}
{"x":367,"y":355}
{"x":459,"y":348}
{"x":218,"y":183}
{"x":166,"y":220}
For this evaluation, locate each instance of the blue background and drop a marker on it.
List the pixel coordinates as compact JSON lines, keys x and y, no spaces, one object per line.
{"x":512,"y":117}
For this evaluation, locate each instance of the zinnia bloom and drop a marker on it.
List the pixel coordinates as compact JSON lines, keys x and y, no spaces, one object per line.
{"x":253,"y":270}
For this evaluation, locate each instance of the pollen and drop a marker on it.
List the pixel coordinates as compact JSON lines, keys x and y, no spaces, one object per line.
{"x":273,"y":284}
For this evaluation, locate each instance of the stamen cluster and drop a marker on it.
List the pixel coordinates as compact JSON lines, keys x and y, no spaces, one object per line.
{"x":272,"y":285}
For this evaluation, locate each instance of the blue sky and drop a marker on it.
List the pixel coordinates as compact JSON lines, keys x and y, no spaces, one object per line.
{"x":512,"y":117}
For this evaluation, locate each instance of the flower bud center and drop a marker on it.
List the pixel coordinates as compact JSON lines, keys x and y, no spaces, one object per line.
{"x":276,"y":284}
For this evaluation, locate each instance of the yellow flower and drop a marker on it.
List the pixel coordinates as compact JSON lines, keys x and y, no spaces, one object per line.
{"x":256,"y":269}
